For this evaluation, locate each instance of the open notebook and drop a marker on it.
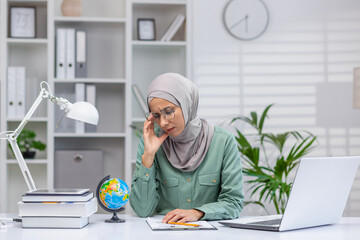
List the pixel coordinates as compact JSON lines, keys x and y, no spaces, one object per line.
{"x":156,"y":225}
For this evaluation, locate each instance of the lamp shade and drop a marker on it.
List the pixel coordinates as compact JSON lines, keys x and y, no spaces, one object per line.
{"x":83,"y":111}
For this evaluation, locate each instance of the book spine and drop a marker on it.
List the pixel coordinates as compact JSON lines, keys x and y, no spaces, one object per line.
{"x":176,"y":27}
{"x":20,"y":87}
{"x":63,"y":209}
{"x":169,"y":29}
{"x":60,"y":53}
{"x":90,"y":98}
{"x":47,"y":198}
{"x":11,"y":92}
{"x":54,"y":222}
{"x":80,"y":96}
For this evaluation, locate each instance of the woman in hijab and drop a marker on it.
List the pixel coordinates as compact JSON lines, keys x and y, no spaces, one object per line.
{"x":187,"y":170}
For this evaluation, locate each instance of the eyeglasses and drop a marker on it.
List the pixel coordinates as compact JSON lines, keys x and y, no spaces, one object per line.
{"x":168,"y":113}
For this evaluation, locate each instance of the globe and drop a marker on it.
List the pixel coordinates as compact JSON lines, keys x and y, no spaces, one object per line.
{"x":112,"y":194}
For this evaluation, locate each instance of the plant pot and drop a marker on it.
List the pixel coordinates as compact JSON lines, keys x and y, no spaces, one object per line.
{"x":29,"y":154}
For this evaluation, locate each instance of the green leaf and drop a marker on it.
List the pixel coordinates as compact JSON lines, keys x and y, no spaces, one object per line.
{"x":262,"y":118}
{"x":268,"y":179}
{"x":254,"y":118}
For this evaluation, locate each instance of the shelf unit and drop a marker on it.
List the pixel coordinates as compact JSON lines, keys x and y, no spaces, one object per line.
{"x":33,"y":55}
{"x":116,"y":60}
{"x":106,"y":32}
{"x":157,"y":57}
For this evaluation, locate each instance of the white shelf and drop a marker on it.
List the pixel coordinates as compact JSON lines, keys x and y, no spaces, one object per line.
{"x":91,"y":80}
{"x":138,"y":120}
{"x":90,"y":19}
{"x":33,"y":119}
{"x":27,"y":40}
{"x":28,"y":1}
{"x":90,"y":135}
{"x":159,"y":43}
{"x":28,"y":161}
{"x":165,"y":2}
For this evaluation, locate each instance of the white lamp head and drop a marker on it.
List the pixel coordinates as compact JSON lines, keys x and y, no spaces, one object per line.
{"x":82,"y":111}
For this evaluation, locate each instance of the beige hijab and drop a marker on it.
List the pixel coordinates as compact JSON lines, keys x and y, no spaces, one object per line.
{"x":186,"y":151}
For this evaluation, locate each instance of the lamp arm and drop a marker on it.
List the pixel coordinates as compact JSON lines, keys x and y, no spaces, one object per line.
{"x":43,"y":94}
{"x":24,"y":169}
{"x":12,"y":138}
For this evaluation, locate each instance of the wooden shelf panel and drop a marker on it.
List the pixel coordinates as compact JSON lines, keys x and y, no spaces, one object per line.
{"x":164,"y":2}
{"x":159,"y":43}
{"x":27,"y":41}
{"x":138,"y":120}
{"x":28,"y":161}
{"x":33,"y":119}
{"x":90,"y":19}
{"x":92,"y":80}
{"x":90,"y":135}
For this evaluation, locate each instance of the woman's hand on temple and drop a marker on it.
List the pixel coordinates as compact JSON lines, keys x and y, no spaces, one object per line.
{"x":152,"y":142}
{"x":181,"y":215}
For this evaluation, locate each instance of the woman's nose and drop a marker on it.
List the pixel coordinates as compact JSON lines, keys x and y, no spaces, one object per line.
{"x":163,"y":121}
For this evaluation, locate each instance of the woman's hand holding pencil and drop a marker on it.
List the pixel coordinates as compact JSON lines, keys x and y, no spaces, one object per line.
{"x":185,"y":224}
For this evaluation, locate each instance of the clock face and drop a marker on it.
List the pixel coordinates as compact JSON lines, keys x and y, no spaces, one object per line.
{"x":246,"y":19}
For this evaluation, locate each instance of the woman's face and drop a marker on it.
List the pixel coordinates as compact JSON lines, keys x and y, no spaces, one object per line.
{"x":161,"y":107}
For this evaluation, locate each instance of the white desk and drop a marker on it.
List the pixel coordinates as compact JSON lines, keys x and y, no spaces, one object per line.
{"x":137,"y":229}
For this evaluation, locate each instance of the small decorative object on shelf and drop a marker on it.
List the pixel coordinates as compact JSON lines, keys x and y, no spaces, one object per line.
{"x":22,"y":20}
{"x":112,"y":194}
{"x":146,"y":29}
{"x":71,"y":8}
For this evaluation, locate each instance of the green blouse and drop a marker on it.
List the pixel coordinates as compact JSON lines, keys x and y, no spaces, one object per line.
{"x":215,"y":187}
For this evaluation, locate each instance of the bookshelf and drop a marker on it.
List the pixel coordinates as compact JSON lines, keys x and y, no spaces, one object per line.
{"x":107,"y":70}
{"x":31,"y":53}
{"x":114,"y":57}
{"x":157,"y":57}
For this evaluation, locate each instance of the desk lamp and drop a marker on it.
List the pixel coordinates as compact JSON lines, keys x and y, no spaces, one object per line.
{"x":81,"y":111}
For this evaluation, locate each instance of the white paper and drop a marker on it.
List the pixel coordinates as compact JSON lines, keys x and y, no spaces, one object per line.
{"x":155,"y":223}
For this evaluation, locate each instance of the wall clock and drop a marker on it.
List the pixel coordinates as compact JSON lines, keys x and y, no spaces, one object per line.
{"x":246,"y":19}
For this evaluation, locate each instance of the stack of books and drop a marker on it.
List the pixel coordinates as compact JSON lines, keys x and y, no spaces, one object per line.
{"x":57,"y":208}
{"x":173,"y":28}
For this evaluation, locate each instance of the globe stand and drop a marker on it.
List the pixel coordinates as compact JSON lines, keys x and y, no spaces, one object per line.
{"x":115,"y":218}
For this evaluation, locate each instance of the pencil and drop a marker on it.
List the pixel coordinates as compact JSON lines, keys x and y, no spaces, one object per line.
{"x":185,"y":224}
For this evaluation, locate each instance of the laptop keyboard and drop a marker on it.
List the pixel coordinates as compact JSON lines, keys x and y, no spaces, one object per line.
{"x":268,"y":222}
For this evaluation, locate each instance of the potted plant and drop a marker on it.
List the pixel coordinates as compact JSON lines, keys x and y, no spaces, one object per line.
{"x":27,"y":143}
{"x":269,"y":178}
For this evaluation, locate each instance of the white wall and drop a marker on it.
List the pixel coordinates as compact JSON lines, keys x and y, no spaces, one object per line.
{"x":303,"y":63}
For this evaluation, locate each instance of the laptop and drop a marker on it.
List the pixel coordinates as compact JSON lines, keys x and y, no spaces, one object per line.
{"x":318,"y":196}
